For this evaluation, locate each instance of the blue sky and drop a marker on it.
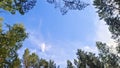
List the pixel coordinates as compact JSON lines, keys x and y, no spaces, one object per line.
{"x":56,"y":36}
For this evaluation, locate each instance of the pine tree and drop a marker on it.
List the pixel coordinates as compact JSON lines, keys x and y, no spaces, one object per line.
{"x":10,"y":41}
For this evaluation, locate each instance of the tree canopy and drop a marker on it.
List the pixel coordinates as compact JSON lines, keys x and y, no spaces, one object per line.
{"x":10,"y":41}
{"x":66,"y":5}
{"x":13,"y":6}
{"x":23,"y":6}
{"x":109,"y":11}
{"x":32,"y":60}
{"x":104,"y":59}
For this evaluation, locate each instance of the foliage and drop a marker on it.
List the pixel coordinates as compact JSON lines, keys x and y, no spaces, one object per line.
{"x":43,"y":62}
{"x":105,"y":58}
{"x":10,"y":41}
{"x":51,"y":64}
{"x":69,"y":64}
{"x":110,"y":60}
{"x":16,"y":63}
{"x":32,"y":60}
{"x":66,"y":5}
{"x":22,"y":6}
{"x":87,"y":59}
{"x":26,"y":60}
{"x":109,"y":11}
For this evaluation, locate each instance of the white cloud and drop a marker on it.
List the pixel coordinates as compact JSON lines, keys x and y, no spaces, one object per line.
{"x":37,"y":40}
{"x":90,"y":49}
{"x":102,"y":32}
{"x":104,"y":35}
{"x":33,"y":50}
{"x":43,"y":47}
{"x":39,"y":43}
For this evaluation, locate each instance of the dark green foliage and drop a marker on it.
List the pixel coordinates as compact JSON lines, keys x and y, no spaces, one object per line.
{"x":43,"y":62}
{"x":110,"y":60}
{"x":10,"y":42}
{"x":26,"y":60}
{"x":109,"y":10}
{"x":118,"y":49}
{"x":66,"y":5}
{"x":87,"y":59}
{"x":16,"y":63}
{"x":105,"y":58}
{"x":32,"y":60}
{"x":69,"y":64}
{"x":51,"y":64}
{"x":21,"y":6}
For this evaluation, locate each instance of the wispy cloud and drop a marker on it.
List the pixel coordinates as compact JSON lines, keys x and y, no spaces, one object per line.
{"x":37,"y":40}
